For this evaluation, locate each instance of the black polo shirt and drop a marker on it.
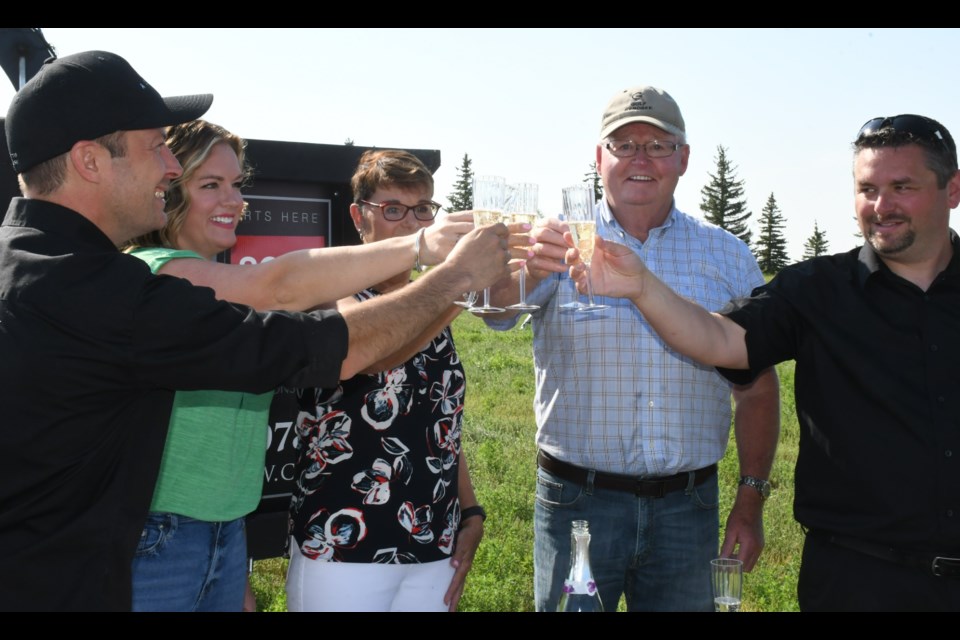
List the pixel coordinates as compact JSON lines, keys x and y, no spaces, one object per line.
{"x":92,"y":347}
{"x":877,"y":393}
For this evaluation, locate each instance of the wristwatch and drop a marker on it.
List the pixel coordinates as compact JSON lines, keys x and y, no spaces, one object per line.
{"x":762,"y":486}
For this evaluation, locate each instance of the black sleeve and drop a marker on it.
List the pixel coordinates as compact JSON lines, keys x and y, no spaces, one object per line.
{"x":771,"y":325}
{"x":184,"y":338}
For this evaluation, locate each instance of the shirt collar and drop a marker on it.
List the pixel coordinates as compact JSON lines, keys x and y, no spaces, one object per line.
{"x":55,"y":219}
{"x":869,"y":263}
{"x":617,"y":231}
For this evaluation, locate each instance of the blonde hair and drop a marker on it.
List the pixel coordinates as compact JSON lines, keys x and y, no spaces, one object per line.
{"x":191,"y":144}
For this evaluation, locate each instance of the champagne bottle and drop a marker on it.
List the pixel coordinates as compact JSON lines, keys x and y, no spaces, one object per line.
{"x":579,"y":589}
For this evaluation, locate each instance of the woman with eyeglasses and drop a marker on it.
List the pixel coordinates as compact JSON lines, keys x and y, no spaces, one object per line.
{"x":384,"y":517}
{"x":192,"y":554}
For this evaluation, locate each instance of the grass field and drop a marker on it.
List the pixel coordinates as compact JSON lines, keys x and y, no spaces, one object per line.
{"x":499,"y":442}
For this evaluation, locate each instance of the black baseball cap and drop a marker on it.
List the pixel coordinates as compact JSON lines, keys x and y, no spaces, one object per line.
{"x":82,"y":97}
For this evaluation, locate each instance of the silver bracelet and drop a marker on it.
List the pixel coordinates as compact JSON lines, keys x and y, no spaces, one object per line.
{"x":416,"y":247}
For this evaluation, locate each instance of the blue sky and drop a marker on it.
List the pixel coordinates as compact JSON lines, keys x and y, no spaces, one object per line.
{"x":526,"y":103}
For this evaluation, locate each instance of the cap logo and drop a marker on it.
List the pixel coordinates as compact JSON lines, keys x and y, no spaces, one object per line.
{"x":637,"y":102}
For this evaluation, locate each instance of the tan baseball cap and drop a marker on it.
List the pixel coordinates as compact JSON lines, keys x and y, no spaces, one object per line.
{"x":642,"y":104}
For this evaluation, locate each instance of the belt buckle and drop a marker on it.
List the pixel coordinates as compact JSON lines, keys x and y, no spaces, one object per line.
{"x":649,"y":488}
{"x":944,"y":567}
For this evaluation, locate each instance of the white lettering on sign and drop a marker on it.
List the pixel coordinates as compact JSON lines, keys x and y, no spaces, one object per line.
{"x":257,"y":215}
{"x":285,"y":473}
{"x":285,"y":427}
{"x":300,"y":217}
{"x":252,"y":260}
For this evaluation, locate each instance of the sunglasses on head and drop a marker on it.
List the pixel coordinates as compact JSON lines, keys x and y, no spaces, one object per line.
{"x":922,"y":127}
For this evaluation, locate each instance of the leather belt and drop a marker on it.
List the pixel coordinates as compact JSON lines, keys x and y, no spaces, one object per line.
{"x":643,"y":487}
{"x":939,"y":565}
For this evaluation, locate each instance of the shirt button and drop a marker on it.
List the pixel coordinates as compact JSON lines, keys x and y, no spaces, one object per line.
{"x":948,"y":453}
{"x":941,"y":399}
{"x":650,"y":404}
{"x":933,"y":347}
{"x":948,"y":513}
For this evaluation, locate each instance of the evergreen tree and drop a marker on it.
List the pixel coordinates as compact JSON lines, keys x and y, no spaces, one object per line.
{"x":816,"y":245}
{"x":593,"y":178}
{"x":462,"y":197}
{"x":723,"y":202}
{"x":771,"y":248}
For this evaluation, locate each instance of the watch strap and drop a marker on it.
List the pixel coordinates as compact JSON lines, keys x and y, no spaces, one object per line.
{"x":469,"y":512}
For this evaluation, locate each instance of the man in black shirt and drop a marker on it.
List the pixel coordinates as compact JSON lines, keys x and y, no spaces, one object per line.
{"x":93,"y":345}
{"x":876,"y":338}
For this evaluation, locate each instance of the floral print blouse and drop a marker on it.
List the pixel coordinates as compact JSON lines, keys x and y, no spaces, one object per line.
{"x":377,"y":462}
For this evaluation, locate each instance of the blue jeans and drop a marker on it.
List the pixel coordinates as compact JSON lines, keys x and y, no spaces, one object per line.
{"x":655,"y":551}
{"x":184,"y":564}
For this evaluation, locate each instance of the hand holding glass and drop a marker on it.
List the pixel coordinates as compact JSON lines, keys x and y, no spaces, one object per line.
{"x":578,"y":203}
{"x":726,"y":575}
{"x":489,"y":193}
{"x":522,"y":208}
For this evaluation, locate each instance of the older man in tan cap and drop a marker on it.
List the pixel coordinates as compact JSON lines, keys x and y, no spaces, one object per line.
{"x":629,"y":432}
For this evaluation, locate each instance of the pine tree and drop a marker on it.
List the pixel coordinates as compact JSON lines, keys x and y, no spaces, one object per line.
{"x":462,"y":197}
{"x":771,"y":247}
{"x":723,"y":203}
{"x":816,"y":245}
{"x":593,"y":177}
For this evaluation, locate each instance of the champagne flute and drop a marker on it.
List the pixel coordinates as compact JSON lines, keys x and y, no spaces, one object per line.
{"x":578,"y":203}
{"x":489,"y":195}
{"x":522,"y":207}
{"x":468,"y":298}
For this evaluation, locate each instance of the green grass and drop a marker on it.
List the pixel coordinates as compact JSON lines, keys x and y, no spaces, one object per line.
{"x":498,"y":439}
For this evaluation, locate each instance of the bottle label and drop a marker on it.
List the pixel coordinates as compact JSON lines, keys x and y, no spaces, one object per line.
{"x":589,"y":587}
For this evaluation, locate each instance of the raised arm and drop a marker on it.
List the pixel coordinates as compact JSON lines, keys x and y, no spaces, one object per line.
{"x":687,"y":327}
{"x":407,"y":351}
{"x":302,"y":280}
{"x":385,"y":324}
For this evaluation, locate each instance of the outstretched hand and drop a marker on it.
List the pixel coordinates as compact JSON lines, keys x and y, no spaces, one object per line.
{"x":482,"y":256}
{"x":548,"y":247}
{"x":440,"y":237}
{"x":615,"y":270}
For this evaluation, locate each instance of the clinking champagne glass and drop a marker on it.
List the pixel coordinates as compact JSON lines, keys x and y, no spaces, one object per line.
{"x":489,"y":195}
{"x":578,"y":203}
{"x":522,"y":207}
{"x":469,"y":298}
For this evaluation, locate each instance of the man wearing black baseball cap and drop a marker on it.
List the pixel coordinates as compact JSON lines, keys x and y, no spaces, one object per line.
{"x":94,"y":345}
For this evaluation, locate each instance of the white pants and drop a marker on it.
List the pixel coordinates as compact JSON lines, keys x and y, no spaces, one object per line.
{"x":316,"y":585}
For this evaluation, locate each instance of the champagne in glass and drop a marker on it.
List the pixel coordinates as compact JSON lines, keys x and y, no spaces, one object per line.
{"x":489,"y":194}
{"x":726,"y":576}
{"x":578,"y":203}
{"x":522,"y":208}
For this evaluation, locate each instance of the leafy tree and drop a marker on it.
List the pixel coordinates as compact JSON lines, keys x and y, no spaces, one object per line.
{"x":593,"y":177}
{"x":723,"y":202}
{"x":462,"y":197}
{"x":771,"y":247}
{"x":816,"y":245}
